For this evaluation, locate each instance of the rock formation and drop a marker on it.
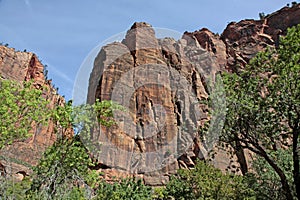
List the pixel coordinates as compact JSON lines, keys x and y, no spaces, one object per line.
{"x":24,"y":66}
{"x":161,"y":83}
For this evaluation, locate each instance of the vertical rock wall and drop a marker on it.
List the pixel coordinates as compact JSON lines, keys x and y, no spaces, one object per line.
{"x":161,"y":83}
{"x":25,"y":66}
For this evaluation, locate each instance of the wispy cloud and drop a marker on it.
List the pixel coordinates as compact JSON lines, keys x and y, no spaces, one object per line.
{"x":60,"y":74}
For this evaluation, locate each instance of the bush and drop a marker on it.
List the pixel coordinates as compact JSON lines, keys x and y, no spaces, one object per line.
{"x":125,"y":189}
{"x":207,"y":182}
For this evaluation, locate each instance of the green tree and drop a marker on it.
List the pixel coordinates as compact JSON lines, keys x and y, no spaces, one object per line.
{"x":263,"y":106}
{"x":178,"y":188}
{"x":207,"y":182}
{"x":64,"y":167}
{"x":125,"y":189}
{"x":265,"y":181}
{"x":21,"y":107}
{"x":287,"y":68}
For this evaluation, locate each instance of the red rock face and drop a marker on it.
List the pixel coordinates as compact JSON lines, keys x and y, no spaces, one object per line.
{"x":247,"y":37}
{"x":212,"y":43}
{"x":22,"y":66}
{"x":158,"y":82}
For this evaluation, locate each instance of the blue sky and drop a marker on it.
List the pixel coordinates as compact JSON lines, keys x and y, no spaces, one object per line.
{"x":63,"y":32}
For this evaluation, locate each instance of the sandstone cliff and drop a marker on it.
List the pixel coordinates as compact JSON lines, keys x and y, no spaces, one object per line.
{"x":161,"y":83}
{"x":24,"y":66}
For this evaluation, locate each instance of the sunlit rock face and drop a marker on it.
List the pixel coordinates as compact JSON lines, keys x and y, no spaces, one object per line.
{"x":21,"y":155}
{"x":160,"y":87}
{"x":161,"y":83}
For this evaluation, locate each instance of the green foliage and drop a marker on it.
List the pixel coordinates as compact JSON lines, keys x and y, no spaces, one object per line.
{"x":249,"y":115}
{"x":63,"y":168}
{"x":287,"y":68}
{"x":88,"y":120}
{"x":207,"y":182}
{"x":178,"y":188}
{"x":13,"y":190}
{"x":125,"y":189}
{"x":68,"y":194}
{"x":263,"y":105}
{"x":87,"y":115}
{"x":21,"y":107}
{"x":83,"y":118}
{"x":265,"y":181}
{"x":158,"y":193}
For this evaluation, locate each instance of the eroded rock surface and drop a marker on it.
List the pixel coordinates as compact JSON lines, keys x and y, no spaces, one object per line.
{"x":24,"y":66}
{"x":161,"y":83}
{"x":158,"y":84}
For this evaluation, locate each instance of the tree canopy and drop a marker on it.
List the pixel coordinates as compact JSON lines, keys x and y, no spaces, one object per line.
{"x":263,"y":106}
{"x":21,"y":108}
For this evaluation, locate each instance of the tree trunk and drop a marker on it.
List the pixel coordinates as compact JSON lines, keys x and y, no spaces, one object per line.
{"x":239,"y":151}
{"x":2,"y":170}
